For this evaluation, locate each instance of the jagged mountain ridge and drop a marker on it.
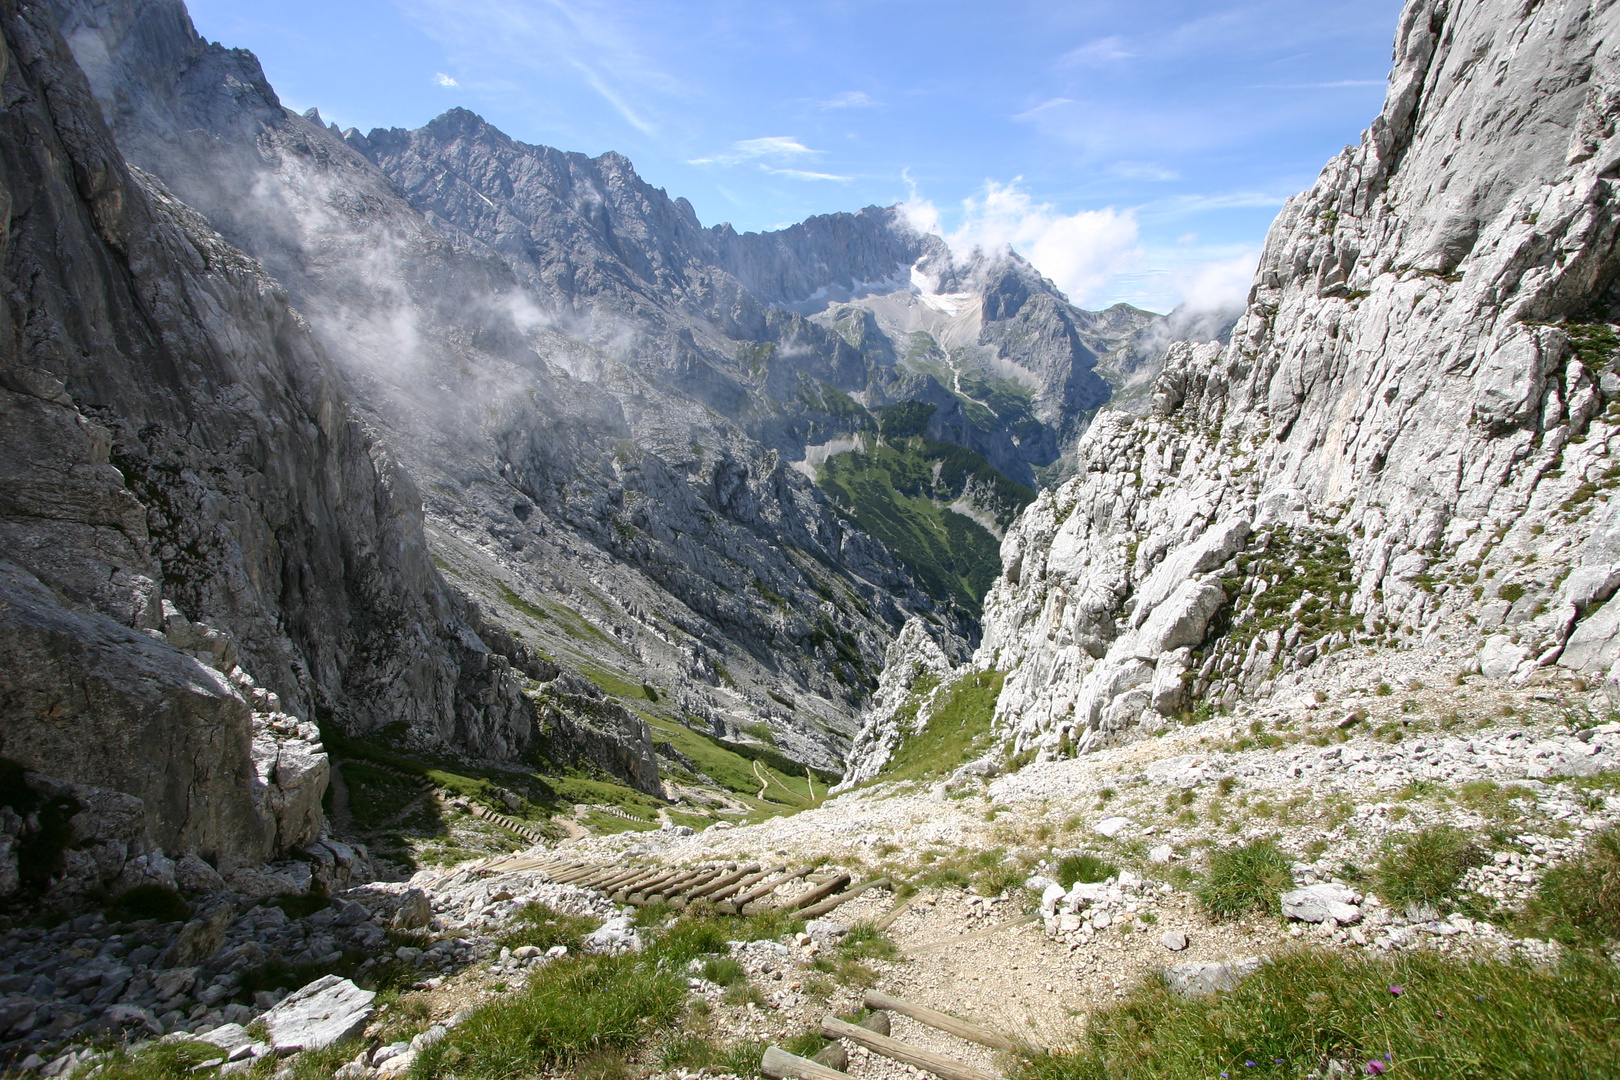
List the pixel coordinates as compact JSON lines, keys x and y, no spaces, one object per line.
{"x":496,"y":264}
{"x":597,"y":241}
{"x":1408,"y":442}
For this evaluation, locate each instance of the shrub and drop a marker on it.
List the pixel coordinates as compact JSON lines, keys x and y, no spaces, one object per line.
{"x":1451,"y":1019}
{"x":1246,"y":879}
{"x":1425,"y":867}
{"x":1086,"y":868}
{"x":149,"y":902}
{"x":1579,"y":900}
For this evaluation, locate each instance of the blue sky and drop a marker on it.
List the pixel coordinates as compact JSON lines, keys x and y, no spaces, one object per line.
{"x":1134,"y":151}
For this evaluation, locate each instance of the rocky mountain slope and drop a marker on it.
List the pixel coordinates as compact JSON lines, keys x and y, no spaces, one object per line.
{"x":617,"y":418}
{"x":1407,"y":443}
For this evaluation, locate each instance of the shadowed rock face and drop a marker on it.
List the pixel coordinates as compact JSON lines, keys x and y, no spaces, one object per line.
{"x":1410,"y":417}
{"x":173,"y":433}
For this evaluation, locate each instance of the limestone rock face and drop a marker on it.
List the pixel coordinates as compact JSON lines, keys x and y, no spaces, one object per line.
{"x":915,"y":663}
{"x":1411,"y":405}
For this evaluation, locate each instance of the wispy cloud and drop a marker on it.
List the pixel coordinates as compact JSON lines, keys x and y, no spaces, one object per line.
{"x":1097,"y":53}
{"x":444,"y":80}
{"x":850,"y":99}
{"x":548,"y":40}
{"x":768,"y":148}
{"x":802,"y":174}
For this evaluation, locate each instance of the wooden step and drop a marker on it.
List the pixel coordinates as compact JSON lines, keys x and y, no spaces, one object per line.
{"x":905,"y":1053}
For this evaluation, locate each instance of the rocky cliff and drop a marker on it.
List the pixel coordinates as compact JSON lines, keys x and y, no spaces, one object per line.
{"x":1408,"y":443}
{"x":177,"y":444}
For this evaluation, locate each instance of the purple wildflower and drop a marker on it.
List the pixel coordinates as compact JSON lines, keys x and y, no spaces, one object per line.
{"x":1376,"y":1067}
{"x":1397,"y":990}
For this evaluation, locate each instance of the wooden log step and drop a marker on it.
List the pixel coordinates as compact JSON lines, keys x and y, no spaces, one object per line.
{"x":699,"y":889}
{"x":618,"y":877}
{"x":820,"y":892}
{"x":746,"y":883}
{"x":709,"y":889}
{"x":669,"y":886}
{"x":670,"y":890}
{"x":817,"y":910}
{"x":905,"y":1053}
{"x":621,"y":892}
{"x":765,"y":888}
{"x":781,"y":1065}
{"x":638,"y":895}
{"x":951,"y":1025}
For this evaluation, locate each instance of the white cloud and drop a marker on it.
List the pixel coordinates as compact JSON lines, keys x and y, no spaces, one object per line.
{"x":444,"y":80}
{"x":1080,"y":252}
{"x":850,"y":99}
{"x":1219,"y":284}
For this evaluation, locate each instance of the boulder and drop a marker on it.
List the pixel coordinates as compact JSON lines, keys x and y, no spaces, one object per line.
{"x":615,"y":935}
{"x":198,"y":939}
{"x":1198,"y":979}
{"x":327,"y":1011}
{"x":415,"y":910}
{"x":1111,"y":826}
{"x":1500,"y":657}
{"x":193,"y":875}
{"x":1319,"y":903}
{"x":1174,"y":940}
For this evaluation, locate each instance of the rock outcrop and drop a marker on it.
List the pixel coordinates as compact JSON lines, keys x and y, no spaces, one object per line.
{"x":1407,"y":440}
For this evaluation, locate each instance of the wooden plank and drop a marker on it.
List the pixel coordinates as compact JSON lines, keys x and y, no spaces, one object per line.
{"x":820,"y":892}
{"x":898,"y":910}
{"x":621,"y":877}
{"x":781,"y":1065}
{"x":817,"y":910}
{"x":764,"y":888}
{"x":952,"y":1025}
{"x":905,"y":1053}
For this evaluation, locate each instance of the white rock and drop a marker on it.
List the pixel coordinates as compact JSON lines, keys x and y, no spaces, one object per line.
{"x":1197,"y":979}
{"x":1319,"y":903}
{"x":326,"y":1011}
{"x":1174,"y":940}
{"x":1050,"y":897}
{"x":1111,"y":826}
{"x":1160,"y":854}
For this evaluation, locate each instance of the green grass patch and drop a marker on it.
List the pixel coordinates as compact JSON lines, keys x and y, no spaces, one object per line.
{"x":1246,"y":879}
{"x":616,"y":686}
{"x":571,"y":1009}
{"x":543,"y":927}
{"x":1451,"y":1020}
{"x":731,"y":765}
{"x":959,"y":726}
{"x":1424,"y":868}
{"x":1086,"y":868}
{"x":1578,"y":901}
{"x":899,"y":490}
